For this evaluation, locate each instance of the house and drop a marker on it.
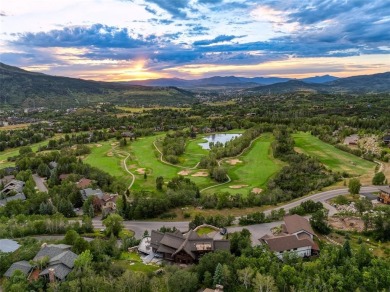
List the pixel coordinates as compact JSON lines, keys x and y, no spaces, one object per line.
{"x":84,"y":183}
{"x":14,"y":186}
{"x":64,"y":176}
{"x":60,"y":262}
{"x":6,"y":179}
{"x":297,"y":237}
{"x":108,"y":203}
{"x":185,"y":248}
{"x":384,"y":195}
{"x":351,"y":140}
{"x":12,"y":191}
{"x":89,"y":192}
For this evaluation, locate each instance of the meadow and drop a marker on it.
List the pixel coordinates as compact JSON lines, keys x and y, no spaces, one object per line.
{"x":332,"y":157}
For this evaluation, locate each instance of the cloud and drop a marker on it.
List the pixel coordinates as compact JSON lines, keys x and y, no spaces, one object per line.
{"x":97,"y":35}
{"x":3,"y":14}
{"x":174,"y":7}
{"x":210,"y":1}
{"x":218,"y":39}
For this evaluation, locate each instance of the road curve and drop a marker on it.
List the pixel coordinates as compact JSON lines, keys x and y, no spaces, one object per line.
{"x":257,"y":230}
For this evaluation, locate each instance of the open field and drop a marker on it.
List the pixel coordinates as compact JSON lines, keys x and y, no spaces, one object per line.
{"x":14,"y":152}
{"x":14,"y":127}
{"x":333,"y":158}
{"x":255,"y":167}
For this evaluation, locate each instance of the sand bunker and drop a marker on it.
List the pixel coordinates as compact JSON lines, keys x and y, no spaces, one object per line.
{"x":233,"y":161}
{"x":237,"y":186}
{"x":114,"y":144}
{"x":99,"y":145}
{"x":110,"y":154}
{"x":2,"y":161}
{"x":184,"y":172}
{"x":201,"y":173}
{"x":140,"y":170}
{"x":257,"y":190}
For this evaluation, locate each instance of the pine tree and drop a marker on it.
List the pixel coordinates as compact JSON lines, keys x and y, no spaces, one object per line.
{"x":218,"y":276}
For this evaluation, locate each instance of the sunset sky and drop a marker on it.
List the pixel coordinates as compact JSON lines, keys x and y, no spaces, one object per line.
{"x":117,"y":40}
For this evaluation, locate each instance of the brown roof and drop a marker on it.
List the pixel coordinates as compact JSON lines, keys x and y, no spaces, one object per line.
{"x":84,"y":183}
{"x":64,"y":176}
{"x":295,"y":223}
{"x":287,"y":242}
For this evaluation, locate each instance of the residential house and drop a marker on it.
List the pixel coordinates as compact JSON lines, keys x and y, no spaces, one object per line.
{"x":297,"y":237}
{"x":108,"y":203}
{"x":12,"y":191}
{"x":89,"y":192}
{"x":60,"y":262}
{"x":384,"y":195}
{"x":187,"y":248}
{"x":351,"y":140}
{"x":64,"y":176}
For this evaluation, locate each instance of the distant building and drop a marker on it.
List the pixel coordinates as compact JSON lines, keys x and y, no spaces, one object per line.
{"x":386,"y":139}
{"x":24,"y":266}
{"x":297,"y":237}
{"x":351,"y":140}
{"x":186,"y":248}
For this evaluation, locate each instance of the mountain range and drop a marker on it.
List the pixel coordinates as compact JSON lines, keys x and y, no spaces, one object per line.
{"x":227,"y":81}
{"x":19,"y":87}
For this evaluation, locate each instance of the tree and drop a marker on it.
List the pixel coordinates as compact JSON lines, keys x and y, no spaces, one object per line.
{"x":145,"y":175}
{"x":379,"y":179}
{"x":113,"y":224}
{"x":71,"y":236}
{"x":354,"y":186}
{"x":318,"y":222}
{"x":245,"y":276}
{"x":17,"y":282}
{"x":159,"y":183}
{"x":218,"y":276}
{"x":43,"y":170}
{"x":80,"y":245}
{"x":262,"y":283}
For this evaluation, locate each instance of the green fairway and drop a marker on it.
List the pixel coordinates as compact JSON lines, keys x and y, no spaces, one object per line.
{"x":255,"y":167}
{"x":144,"y":157}
{"x":333,"y":158}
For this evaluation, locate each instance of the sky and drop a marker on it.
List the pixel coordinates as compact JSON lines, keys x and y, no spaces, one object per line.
{"x":119,"y":40}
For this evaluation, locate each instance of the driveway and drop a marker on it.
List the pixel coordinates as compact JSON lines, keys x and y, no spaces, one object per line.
{"x":40,"y":183}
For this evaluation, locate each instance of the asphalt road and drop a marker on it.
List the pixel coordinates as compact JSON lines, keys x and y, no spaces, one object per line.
{"x":257,"y":230}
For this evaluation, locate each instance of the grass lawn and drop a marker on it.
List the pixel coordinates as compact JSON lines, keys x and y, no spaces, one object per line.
{"x":204,"y":230}
{"x":132,"y":261}
{"x":333,"y":158}
{"x":257,"y":167}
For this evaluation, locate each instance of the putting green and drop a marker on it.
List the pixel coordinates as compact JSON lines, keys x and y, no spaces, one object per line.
{"x":332,"y":157}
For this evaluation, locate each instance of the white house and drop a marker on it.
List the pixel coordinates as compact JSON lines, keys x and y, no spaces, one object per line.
{"x":297,"y":237}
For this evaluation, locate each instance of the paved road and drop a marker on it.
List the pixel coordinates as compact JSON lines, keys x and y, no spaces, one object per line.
{"x":39,"y":182}
{"x":257,"y":230}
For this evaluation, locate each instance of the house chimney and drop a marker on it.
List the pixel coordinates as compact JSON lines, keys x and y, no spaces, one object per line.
{"x":218,"y":288}
{"x":52,"y":277}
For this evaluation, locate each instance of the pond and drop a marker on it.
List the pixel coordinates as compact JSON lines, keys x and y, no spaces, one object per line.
{"x":214,"y":138}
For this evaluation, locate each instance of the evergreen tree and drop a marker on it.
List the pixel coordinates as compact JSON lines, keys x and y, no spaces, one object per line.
{"x":218,"y":275}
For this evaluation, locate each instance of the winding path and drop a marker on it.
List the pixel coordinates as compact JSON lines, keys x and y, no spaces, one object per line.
{"x":171,"y":164}
{"x":125,"y":165}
